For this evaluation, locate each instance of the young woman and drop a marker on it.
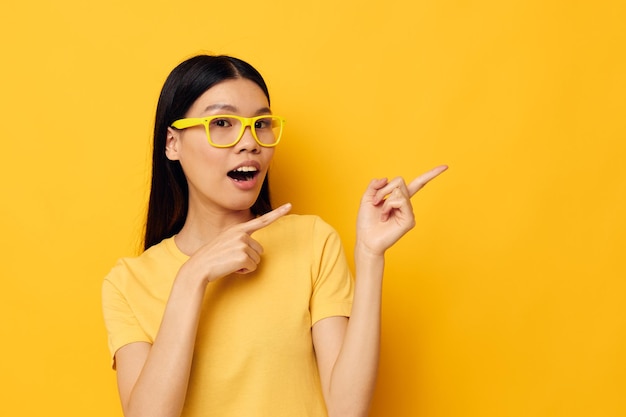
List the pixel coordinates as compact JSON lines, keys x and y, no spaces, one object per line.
{"x":235,"y":309}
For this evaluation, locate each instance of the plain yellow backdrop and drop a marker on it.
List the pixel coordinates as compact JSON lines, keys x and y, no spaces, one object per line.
{"x":508,"y":299}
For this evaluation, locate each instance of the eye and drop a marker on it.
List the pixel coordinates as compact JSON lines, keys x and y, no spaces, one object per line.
{"x":221,"y":122}
{"x":264,"y":123}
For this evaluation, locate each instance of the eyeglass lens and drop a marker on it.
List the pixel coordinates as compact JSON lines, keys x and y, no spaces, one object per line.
{"x":228,"y":130}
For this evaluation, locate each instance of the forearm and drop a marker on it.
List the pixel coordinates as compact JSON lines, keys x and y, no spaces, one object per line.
{"x":161,"y":386}
{"x":354,"y":375}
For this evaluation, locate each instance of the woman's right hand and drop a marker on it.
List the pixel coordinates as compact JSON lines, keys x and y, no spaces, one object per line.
{"x":233,"y":251}
{"x":141,"y":365}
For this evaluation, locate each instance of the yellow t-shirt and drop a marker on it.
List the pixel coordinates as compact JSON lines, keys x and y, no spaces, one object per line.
{"x":254,"y":353}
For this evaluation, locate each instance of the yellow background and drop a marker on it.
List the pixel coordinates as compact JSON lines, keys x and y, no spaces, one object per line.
{"x":509,"y":298}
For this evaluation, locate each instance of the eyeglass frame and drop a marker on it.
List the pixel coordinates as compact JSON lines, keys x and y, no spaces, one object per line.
{"x":186,"y":123}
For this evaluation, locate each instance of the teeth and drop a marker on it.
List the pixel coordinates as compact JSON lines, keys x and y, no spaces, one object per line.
{"x":246,"y":169}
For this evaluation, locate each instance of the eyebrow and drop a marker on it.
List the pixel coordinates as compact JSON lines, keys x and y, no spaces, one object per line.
{"x":231,"y":108}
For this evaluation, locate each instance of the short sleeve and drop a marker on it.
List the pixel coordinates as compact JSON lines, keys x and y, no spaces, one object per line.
{"x":120,"y":321}
{"x":333,"y":285}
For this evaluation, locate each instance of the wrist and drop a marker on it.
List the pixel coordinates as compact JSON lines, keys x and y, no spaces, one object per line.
{"x":366,"y":258}
{"x":362,"y":249}
{"x":191,"y":281}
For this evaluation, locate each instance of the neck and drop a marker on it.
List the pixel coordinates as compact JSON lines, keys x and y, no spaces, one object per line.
{"x":204,"y":224}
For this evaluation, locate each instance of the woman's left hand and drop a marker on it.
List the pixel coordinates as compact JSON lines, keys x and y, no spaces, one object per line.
{"x":386,"y":213}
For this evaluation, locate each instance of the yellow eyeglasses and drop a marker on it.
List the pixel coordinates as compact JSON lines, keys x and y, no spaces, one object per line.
{"x":224,"y":131}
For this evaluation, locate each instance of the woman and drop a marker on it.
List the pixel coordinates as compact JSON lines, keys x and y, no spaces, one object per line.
{"x":235,"y":309}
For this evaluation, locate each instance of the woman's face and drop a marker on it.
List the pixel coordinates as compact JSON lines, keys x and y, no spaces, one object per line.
{"x":214,"y":175}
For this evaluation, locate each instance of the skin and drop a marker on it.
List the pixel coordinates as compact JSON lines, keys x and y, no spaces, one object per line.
{"x":153,"y":379}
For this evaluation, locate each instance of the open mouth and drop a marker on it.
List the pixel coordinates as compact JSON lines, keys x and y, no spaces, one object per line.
{"x":243,"y":173}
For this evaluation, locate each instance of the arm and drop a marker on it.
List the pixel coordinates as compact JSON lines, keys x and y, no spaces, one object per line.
{"x":153,"y":379}
{"x":347,"y":350}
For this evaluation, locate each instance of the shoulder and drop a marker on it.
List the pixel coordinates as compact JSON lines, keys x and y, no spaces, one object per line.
{"x":298,"y":229}
{"x":303,"y":223}
{"x":300,"y":233}
{"x":153,"y":259}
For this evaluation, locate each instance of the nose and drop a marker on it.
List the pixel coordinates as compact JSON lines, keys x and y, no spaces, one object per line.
{"x":247,"y":143}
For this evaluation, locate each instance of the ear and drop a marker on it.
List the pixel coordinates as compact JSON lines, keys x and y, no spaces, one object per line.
{"x":172,"y":142}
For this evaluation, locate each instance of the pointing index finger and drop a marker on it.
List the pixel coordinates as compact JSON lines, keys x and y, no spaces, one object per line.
{"x":419,"y":182}
{"x":266,"y":219}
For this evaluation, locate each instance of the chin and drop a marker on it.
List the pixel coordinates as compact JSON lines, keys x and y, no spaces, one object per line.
{"x":242,"y":206}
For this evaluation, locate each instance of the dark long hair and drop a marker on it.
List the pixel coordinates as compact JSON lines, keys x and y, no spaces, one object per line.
{"x":169,"y":194}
